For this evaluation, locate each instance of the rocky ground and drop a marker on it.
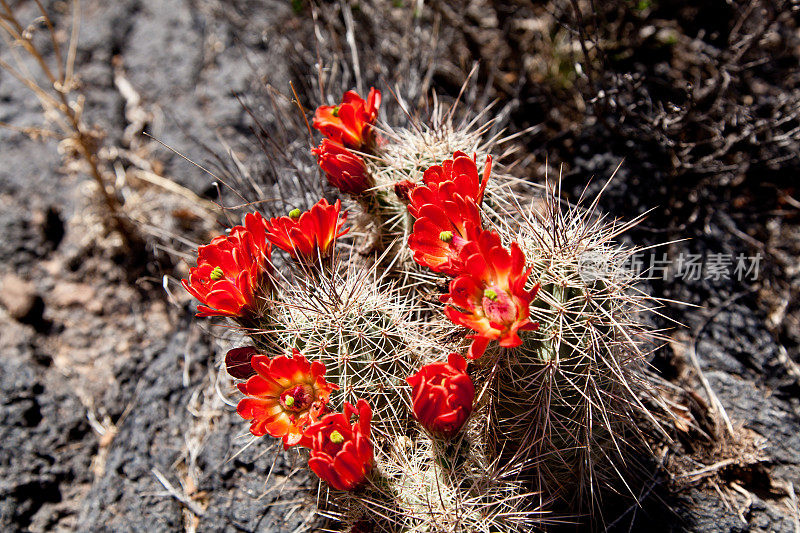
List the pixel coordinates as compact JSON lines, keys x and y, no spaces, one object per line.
{"x":110,"y":417}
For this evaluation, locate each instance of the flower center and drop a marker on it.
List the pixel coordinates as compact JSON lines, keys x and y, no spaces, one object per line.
{"x":336,"y":111}
{"x":446,"y":236}
{"x":297,"y":398}
{"x":216,"y":274}
{"x":294,"y":214}
{"x":334,"y":443}
{"x":498,"y":306}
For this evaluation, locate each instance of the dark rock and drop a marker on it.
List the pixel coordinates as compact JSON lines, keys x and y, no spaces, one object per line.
{"x":46,"y":444}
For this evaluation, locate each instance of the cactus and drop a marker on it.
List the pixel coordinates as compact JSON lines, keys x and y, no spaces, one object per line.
{"x":553,"y":408}
{"x":405,"y":155}
{"x":575,"y":391}
{"x":357,"y":324}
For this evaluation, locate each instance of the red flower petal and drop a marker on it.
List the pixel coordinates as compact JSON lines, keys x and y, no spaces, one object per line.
{"x":489,"y":297}
{"x":237,"y":362}
{"x":478,"y":347}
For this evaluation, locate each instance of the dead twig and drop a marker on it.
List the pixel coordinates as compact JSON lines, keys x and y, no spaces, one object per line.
{"x":712,"y":396}
{"x":172,"y":491}
{"x":63,"y":107}
{"x":700,"y":473}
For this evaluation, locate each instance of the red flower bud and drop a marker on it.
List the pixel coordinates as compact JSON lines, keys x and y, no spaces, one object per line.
{"x":341,"y":452}
{"x":442,"y":395}
{"x":345,"y":170}
{"x":403,"y":189}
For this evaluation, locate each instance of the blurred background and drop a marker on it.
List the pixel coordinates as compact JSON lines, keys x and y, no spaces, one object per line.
{"x":110,"y":413}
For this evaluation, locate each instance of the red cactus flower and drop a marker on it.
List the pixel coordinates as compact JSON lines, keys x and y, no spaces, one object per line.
{"x":310,"y":235}
{"x":231,"y":270}
{"x":442,"y":395}
{"x":446,"y":209}
{"x":463,"y":173}
{"x":286,"y":395}
{"x":345,"y":170}
{"x":341,"y":452}
{"x":349,"y":123}
{"x":490,"y":296}
{"x":441,"y":232}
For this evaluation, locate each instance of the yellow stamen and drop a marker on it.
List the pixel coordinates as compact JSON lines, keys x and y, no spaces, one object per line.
{"x":336,"y":437}
{"x":294,"y":214}
{"x":491,"y":294}
{"x":446,"y":236}
{"x":216,"y":274}
{"x":289,"y":401}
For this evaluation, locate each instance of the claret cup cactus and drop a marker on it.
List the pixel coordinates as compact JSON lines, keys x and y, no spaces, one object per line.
{"x":447,"y":348}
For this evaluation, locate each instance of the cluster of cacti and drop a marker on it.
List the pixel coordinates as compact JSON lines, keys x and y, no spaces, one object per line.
{"x":464,"y":359}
